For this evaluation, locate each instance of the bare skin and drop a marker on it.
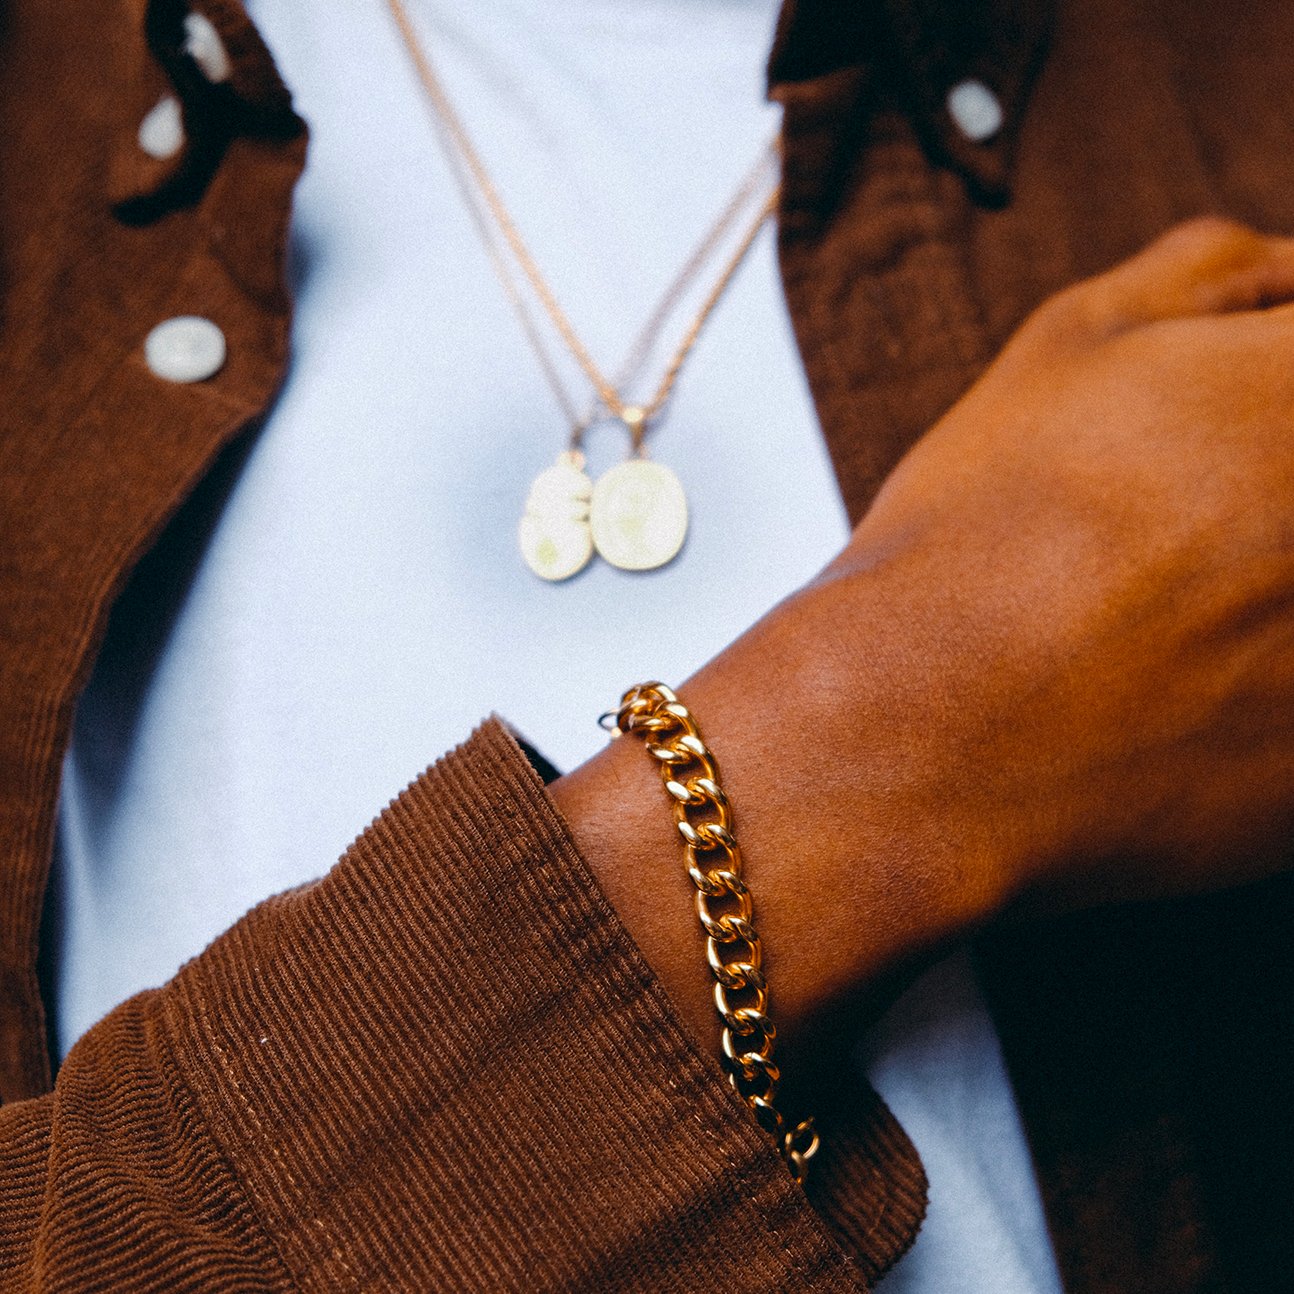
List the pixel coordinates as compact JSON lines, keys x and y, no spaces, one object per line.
{"x":1054,"y":664}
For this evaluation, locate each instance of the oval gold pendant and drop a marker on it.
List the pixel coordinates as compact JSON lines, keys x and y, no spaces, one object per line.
{"x":553,"y":534}
{"x":638,"y":515}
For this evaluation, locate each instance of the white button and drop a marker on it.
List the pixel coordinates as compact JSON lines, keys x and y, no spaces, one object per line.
{"x":161,"y":133}
{"x":203,"y":45}
{"x":975,"y":110}
{"x":187,"y":348}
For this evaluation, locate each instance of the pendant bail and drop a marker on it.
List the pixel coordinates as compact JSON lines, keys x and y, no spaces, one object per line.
{"x":634,"y":416}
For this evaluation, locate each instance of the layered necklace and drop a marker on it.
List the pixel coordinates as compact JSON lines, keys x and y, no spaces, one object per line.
{"x":635,"y":517}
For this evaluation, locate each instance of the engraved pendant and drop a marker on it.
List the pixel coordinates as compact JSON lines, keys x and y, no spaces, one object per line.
{"x":554,"y":534}
{"x":638,"y":515}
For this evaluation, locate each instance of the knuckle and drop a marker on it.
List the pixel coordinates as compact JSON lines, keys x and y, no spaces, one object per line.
{"x":1215,"y":241}
{"x":1073,"y":304}
{"x":1074,"y":314}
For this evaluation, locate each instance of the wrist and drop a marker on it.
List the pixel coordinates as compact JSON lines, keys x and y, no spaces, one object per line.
{"x":862,"y":847}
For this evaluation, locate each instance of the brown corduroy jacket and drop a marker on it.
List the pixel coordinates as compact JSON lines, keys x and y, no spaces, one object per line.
{"x":350,"y":1090}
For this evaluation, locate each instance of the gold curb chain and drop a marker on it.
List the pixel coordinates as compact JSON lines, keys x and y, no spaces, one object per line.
{"x":703,"y":816}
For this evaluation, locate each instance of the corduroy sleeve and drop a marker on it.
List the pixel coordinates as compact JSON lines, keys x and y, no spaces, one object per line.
{"x":444,"y":1066}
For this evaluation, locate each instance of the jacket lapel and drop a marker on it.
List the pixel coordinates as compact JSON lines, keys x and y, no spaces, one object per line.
{"x":119,"y":447}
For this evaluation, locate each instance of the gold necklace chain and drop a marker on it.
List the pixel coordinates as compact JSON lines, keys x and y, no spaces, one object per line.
{"x":645,"y":341}
{"x":468,"y":165}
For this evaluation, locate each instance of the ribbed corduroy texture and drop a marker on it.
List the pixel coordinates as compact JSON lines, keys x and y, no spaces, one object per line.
{"x":444,"y":1066}
{"x":116,"y":1184}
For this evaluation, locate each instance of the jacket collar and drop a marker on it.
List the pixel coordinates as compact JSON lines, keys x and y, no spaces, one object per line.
{"x":918,"y":51}
{"x":243,"y":97}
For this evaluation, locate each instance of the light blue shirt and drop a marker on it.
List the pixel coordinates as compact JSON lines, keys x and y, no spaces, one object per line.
{"x":346,"y":600}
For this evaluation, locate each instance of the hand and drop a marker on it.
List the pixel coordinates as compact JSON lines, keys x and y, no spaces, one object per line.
{"x":1058,"y":653}
{"x":1115,"y":502}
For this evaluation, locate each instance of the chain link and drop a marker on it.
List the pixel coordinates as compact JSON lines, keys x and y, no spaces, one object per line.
{"x":703,"y":816}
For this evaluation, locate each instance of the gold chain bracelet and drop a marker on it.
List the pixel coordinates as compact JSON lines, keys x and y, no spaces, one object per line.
{"x":733,"y":949}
